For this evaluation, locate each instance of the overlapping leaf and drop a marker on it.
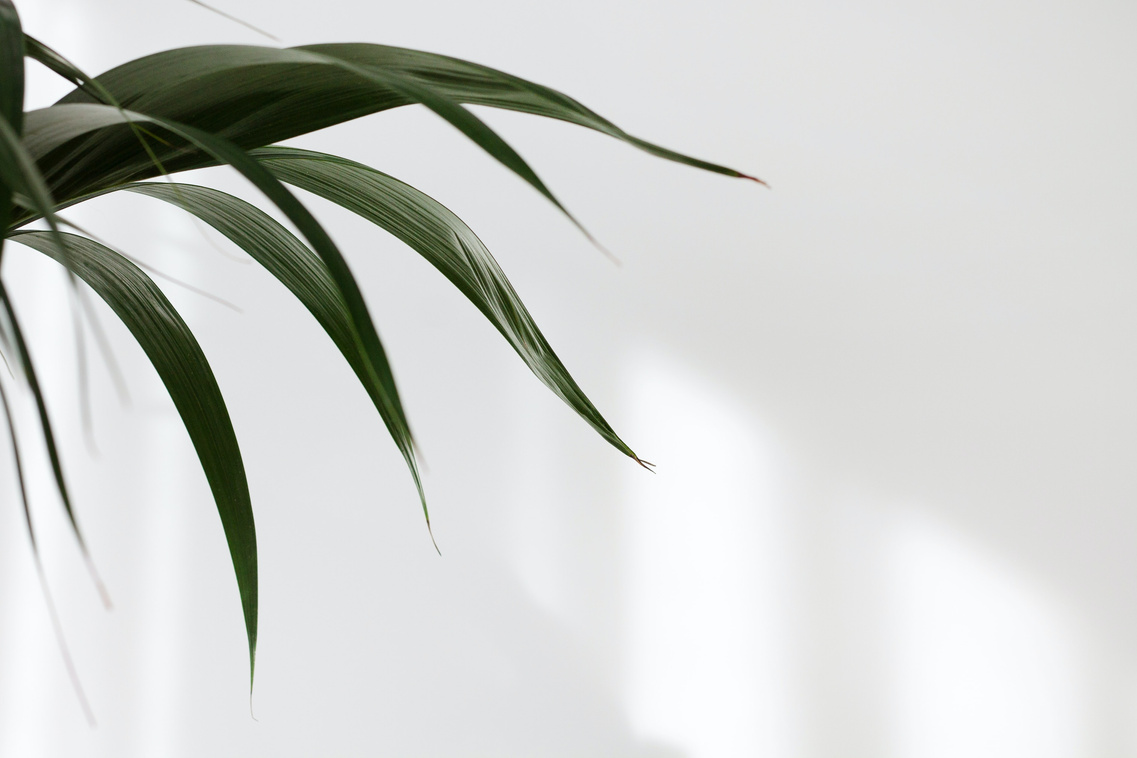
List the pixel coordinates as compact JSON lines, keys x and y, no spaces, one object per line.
{"x":254,"y":96}
{"x":11,"y":91}
{"x":363,"y":330}
{"x":221,"y":150}
{"x":15,"y":337}
{"x":196,"y":107}
{"x":449,"y":245}
{"x":299,"y":269}
{"x":182,"y":366}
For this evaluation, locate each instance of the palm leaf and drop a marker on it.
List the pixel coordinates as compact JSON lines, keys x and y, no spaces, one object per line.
{"x":299,"y":269}
{"x":82,"y":118}
{"x":180,"y":363}
{"x":379,"y":78}
{"x":449,"y":245}
{"x":19,"y":346}
{"x":56,"y":63}
{"x":254,"y":96}
{"x":11,"y":92}
{"x":363,"y":332}
{"x":212,"y":105}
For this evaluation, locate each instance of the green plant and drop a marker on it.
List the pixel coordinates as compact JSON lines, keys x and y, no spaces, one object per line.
{"x":203,"y":106}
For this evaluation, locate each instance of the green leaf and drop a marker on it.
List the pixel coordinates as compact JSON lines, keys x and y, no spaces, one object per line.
{"x":16,"y":336}
{"x":460,"y":118}
{"x":56,"y":63}
{"x":414,"y":91}
{"x":21,"y":485}
{"x":180,"y":363}
{"x":299,"y":269}
{"x":11,"y":66}
{"x":79,"y":118}
{"x":367,"y":338}
{"x":52,"y":612}
{"x":20,"y":174}
{"x":11,"y":95}
{"x":254,"y":96}
{"x":449,"y":245}
{"x":475,"y":84}
{"x":69,"y":71}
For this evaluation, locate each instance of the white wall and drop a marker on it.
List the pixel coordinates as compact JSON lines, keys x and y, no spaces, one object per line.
{"x":890,"y":399}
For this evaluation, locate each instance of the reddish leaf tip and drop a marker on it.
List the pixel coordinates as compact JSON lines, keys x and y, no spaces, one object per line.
{"x":754,"y":179}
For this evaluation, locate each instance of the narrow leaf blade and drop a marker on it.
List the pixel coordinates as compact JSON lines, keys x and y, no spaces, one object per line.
{"x":11,"y":66}
{"x":449,"y":245}
{"x":23,"y":355}
{"x":184,"y":370}
{"x":296,"y":267}
{"x":255,"y":96}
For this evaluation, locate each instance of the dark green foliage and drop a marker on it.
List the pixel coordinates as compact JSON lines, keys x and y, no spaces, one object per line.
{"x":211,"y":105}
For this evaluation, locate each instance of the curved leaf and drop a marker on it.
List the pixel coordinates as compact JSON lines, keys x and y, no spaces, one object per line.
{"x":383,"y":79}
{"x":299,"y":269}
{"x":367,"y":338}
{"x":59,"y":65}
{"x":11,"y":66}
{"x":449,"y":245}
{"x":475,"y":84}
{"x":179,"y":361}
{"x":221,"y":150}
{"x":15,"y":335}
{"x":11,"y":93}
{"x":254,"y":96}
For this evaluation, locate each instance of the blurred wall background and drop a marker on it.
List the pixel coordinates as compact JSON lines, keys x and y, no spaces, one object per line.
{"x":891,"y":403}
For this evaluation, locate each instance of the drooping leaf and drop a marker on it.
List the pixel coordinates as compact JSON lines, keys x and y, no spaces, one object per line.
{"x":364,"y":332}
{"x":254,"y":96}
{"x":382,"y":79}
{"x":19,"y":173}
{"x":56,"y":63}
{"x":449,"y":245}
{"x":60,"y":65}
{"x":367,"y":338}
{"x":78,"y":119}
{"x":180,"y":363}
{"x":11,"y":66}
{"x":11,"y":94}
{"x":298,"y":268}
{"x":460,"y":118}
{"x":18,"y":460}
{"x":475,"y":84}
{"x":20,"y":347}
{"x":57,"y":626}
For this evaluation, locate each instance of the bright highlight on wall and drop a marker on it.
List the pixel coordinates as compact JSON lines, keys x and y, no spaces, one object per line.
{"x":706,"y":623}
{"x":986,"y":664}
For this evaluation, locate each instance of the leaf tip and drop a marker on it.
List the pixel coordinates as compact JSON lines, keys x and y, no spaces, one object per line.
{"x":433,"y":541}
{"x":100,"y":586}
{"x":754,"y":179}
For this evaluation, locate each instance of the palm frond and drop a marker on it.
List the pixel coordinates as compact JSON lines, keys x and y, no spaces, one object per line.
{"x":303,"y":273}
{"x":184,"y":370}
{"x":449,"y":245}
{"x":24,"y":359}
{"x":228,"y":105}
{"x":255,"y":96}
